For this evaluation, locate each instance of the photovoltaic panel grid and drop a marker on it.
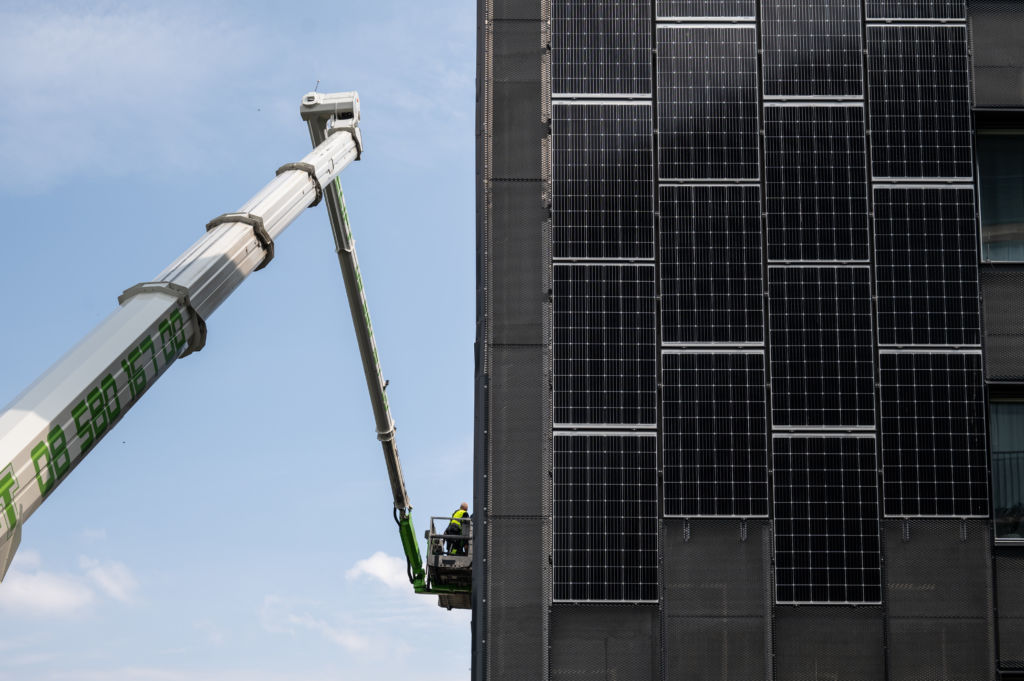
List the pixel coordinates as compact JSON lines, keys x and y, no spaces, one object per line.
{"x":920,"y":102}
{"x":916,"y":9}
{"x":933,"y":434}
{"x":706,"y":9}
{"x":822,"y":368}
{"x":601,"y":47}
{"x":926,"y":266}
{"x":827,"y":545}
{"x":816,"y":183}
{"x":711,"y":265}
{"x":605,"y":345}
{"x":602,"y":181}
{"x":812,"y":48}
{"x":605,"y":517}
{"x":713,"y":427}
{"x":707,"y":103}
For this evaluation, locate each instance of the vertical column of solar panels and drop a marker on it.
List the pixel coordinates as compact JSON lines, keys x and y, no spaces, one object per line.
{"x":706,"y":9}
{"x":601,"y":47}
{"x":606,"y":517}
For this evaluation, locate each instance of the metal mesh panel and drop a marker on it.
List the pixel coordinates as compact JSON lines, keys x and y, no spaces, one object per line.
{"x":1010,"y":600}
{"x":996,"y":27}
{"x":938,"y":568}
{"x":1002,"y":293}
{"x":517,"y":476}
{"x":517,"y":51}
{"x":516,"y":603}
{"x":517,"y":9}
{"x":946,"y":649}
{"x":604,"y":642}
{"x":516,"y":131}
{"x":831,"y":642}
{"x":516,"y":263}
{"x":715,"y":648}
{"x":715,"y":568}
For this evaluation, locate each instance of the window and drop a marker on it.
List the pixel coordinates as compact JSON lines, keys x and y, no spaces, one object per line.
{"x":1001,"y":170}
{"x":1007,"y":429}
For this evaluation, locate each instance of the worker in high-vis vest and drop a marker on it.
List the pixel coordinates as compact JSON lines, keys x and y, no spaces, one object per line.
{"x":457,"y":547}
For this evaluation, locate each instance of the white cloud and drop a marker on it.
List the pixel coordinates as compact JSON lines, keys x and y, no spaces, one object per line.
{"x":41,"y":593}
{"x":280,"y":616}
{"x":380,"y":566}
{"x":212,"y":632}
{"x":111,"y":577}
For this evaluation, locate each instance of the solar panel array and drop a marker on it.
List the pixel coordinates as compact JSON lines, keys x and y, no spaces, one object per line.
{"x":606,"y":517}
{"x":601,"y":174}
{"x":916,"y":9}
{"x":713,"y":424}
{"x":706,"y":9}
{"x":827,"y":546}
{"x":601,"y":47}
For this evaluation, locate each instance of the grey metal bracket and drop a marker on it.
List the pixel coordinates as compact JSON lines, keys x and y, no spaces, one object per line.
{"x":258,"y":230}
{"x":310,"y":170}
{"x":198,"y":340}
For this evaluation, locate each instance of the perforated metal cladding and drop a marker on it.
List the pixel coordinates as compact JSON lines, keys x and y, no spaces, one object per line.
{"x":813,"y":643}
{"x":516,"y":127}
{"x":715,"y":648}
{"x":516,"y":603}
{"x":518,"y":289}
{"x":604,"y":642}
{"x":998,"y":52}
{"x":1010,"y":597}
{"x":505,"y":10}
{"x":715,"y":568}
{"x":947,"y":649}
{"x":1002,"y":294}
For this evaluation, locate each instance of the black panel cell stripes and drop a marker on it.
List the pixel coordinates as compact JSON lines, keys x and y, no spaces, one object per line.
{"x":812,"y":48}
{"x":827,"y":545}
{"x":707,"y":103}
{"x":707,"y":9}
{"x":933,"y":434}
{"x":605,"y":517}
{"x":601,"y":47}
{"x":603,"y":189}
{"x":919,"y":89}
{"x":916,"y":9}
{"x":815,"y":189}
{"x":711,"y":271}
{"x":822,"y":369}
{"x":926,"y":266}
{"x":713,"y":425}
{"x":605,"y":345}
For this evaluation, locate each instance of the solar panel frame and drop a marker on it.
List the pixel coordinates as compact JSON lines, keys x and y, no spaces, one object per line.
{"x":927,"y":10}
{"x":826,"y":519}
{"x":821,"y":347}
{"x":708,"y":103}
{"x":934,"y":454}
{"x":919,"y":102}
{"x":601,"y":47}
{"x":602,"y":180}
{"x":606,"y":543}
{"x":827,"y":30}
{"x":706,"y":9}
{"x":714,"y":433}
{"x":712,"y":280}
{"x":605,"y":345}
{"x":926,"y":265}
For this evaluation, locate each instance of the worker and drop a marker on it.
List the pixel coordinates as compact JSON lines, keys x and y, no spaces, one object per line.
{"x":457,"y":547}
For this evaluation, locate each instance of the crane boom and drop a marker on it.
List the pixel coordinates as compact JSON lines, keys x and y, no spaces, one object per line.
{"x":50,"y":427}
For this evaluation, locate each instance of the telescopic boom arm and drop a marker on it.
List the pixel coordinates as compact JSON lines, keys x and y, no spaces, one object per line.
{"x":49,"y":428}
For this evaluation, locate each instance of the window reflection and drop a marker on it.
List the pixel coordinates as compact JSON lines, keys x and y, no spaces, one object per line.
{"x":1001,"y":168}
{"x":1007,"y":424}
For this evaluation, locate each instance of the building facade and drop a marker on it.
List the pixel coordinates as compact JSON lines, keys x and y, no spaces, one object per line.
{"x":750,"y":352}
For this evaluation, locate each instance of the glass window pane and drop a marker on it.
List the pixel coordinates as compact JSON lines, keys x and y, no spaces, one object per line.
{"x":1001,"y":167}
{"x":1007,"y":425}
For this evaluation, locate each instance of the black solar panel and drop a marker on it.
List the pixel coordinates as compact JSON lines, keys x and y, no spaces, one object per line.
{"x":603,"y":189}
{"x":707,"y":103}
{"x":605,"y":517}
{"x":706,"y":9}
{"x":605,"y":345}
{"x":816,"y":183}
{"x":822,"y":365}
{"x":601,"y":47}
{"x":713,"y":425}
{"x":926,"y":266}
{"x":920,"y":115}
{"x":827,"y":546}
{"x":916,"y":9}
{"x":711,"y":271}
{"x":933,"y":434}
{"x":812,"y":48}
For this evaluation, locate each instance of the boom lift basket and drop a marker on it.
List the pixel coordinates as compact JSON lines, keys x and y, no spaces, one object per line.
{"x":450,"y":561}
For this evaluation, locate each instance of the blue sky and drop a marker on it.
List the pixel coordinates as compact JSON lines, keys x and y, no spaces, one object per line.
{"x":237,"y":523}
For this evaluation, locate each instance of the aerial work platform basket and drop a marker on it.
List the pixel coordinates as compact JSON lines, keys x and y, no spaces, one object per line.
{"x":450,"y":561}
